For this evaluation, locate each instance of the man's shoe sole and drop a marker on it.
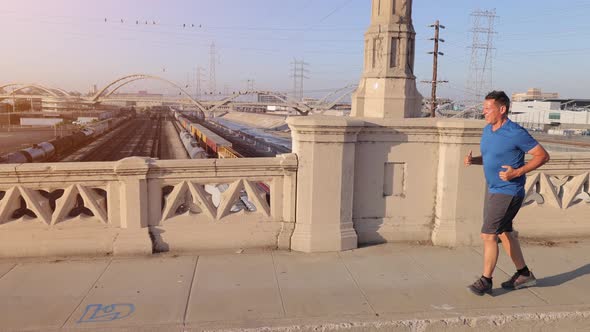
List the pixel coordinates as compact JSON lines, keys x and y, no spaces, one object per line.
{"x":525,"y":285}
{"x":478,"y":293}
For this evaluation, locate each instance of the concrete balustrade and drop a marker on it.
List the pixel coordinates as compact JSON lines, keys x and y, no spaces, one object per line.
{"x":557,"y":202}
{"x":121,"y":208}
{"x":350,"y":181}
{"x":190,"y":218}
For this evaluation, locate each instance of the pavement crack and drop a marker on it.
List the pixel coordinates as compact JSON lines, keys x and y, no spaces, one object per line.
{"x":88,"y":292}
{"x":278,"y":285}
{"x":429,"y":276}
{"x":12,"y":268}
{"x":357,"y":284}
{"x":190,"y":291}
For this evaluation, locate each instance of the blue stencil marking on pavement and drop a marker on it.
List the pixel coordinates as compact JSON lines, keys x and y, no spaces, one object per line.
{"x":106,"y":313}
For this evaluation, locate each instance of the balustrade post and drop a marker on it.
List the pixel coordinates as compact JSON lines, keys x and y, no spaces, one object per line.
{"x":325,"y":147}
{"x":460,"y":189}
{"x":133,"y":190}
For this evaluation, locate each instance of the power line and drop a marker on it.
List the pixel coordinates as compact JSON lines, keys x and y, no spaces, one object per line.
{"x":344,"y":4}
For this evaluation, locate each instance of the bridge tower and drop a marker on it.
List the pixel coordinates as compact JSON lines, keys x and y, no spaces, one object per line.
{"x":387,"y":88}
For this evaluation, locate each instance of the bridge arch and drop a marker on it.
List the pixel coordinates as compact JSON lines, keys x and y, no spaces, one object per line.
{"x":34,"y":86}
{"x":21,"y":86}
{"x":299,"y":107}
{"x":2,"y":87}
{"x":122,"y":81}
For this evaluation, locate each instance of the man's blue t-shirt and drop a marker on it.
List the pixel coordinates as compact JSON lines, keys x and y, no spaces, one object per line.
{"x":505,"y":146}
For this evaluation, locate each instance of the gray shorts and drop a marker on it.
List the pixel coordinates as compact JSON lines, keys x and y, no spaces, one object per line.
{"x":498,"y":212}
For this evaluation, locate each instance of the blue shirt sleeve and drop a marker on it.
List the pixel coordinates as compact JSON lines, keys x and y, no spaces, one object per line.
{"x":524,"y":141}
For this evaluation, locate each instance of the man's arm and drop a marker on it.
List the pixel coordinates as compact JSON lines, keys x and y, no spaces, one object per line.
{"x":471,"y":160}
{"x":540,"y":157}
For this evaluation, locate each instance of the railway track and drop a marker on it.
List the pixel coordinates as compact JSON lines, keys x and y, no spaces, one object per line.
{"x":141,"y":138}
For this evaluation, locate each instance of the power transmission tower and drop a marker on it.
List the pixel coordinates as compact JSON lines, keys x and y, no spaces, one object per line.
{"x":480,"y":67}
{"x":294,"y":75}
{"x":299,"y":72}
{"x":212,"y":59}
{"x":437,"y":26}
{"x":199,"y":79}
{"x":250,"y":84}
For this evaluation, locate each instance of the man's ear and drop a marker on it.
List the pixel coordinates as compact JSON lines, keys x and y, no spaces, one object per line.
{"x":502,"y":109}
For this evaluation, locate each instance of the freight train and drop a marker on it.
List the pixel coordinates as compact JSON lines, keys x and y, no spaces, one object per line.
{"x":212,"y":143}
{"x":47,"y":151}
{"x":223,"y":149}
{"x":192,"y":146}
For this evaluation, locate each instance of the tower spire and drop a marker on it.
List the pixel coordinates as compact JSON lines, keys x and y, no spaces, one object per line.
{"x":387,"y":88}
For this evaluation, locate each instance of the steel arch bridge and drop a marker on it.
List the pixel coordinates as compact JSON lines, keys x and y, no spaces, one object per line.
{"x":122,"y":81}
{"x":297,"y":106}
{"x":205,"y":106}
{"x":53,"y":92}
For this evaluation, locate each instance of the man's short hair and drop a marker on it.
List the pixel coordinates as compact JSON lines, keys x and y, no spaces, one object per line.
{"x":501,"y":98}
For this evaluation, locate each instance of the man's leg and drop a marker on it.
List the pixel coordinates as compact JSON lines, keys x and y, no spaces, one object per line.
{"x":483,"y":285}
{"x":512,"y":247}
{"x":495,"y":206}
{"x":523,"y":277}
{"x":490,"y":254}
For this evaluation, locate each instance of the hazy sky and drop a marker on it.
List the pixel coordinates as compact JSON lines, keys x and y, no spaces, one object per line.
{"x":68,"y":44}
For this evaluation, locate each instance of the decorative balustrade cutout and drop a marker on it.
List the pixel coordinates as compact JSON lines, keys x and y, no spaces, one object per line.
{"x":216,"y":201}
{"x":53,"y":207}
{"x":558,"y":191}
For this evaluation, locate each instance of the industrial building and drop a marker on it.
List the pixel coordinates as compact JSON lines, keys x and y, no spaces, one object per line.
{"x":534,"y":94}
{"x":562,"y":113}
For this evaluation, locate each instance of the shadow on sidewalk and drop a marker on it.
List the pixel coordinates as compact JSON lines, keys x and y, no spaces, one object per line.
{"x":562,"y":278}
{"x":551,"y":281}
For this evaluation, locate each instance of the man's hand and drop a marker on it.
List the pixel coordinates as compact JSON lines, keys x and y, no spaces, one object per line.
{"x":471,"y":160}
{"x":509,"y":174}
{"x":468,"y":159}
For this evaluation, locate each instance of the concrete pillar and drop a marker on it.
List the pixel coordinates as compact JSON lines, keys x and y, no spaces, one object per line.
{"x":460,"y":189}
{"x":134,"y":237}
{"x":325,"y":147}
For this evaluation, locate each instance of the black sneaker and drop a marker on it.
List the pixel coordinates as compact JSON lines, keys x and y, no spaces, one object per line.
{"x":519,"y":281}
{"x":481,"y":287}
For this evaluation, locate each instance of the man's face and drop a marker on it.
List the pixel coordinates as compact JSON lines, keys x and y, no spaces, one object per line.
{"x":492,"y":111}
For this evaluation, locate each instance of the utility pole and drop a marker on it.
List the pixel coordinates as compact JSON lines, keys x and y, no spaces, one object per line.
{"x":437,"y":26}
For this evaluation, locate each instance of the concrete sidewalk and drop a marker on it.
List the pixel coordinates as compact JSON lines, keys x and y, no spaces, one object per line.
{"x":390,"y":287}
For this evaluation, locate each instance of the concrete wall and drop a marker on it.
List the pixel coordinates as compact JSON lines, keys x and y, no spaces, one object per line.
{"x":409,"y":184}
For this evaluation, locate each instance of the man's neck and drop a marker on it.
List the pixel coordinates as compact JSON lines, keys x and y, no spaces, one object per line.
{"x":499,"y":124}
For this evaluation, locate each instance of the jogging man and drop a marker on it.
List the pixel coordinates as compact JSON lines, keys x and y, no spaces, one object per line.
{"x":503,"y":146}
